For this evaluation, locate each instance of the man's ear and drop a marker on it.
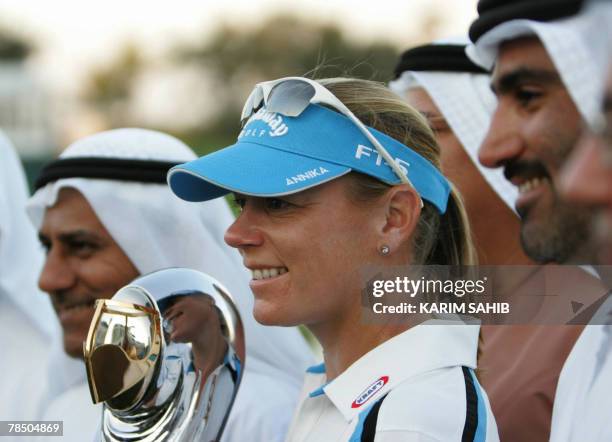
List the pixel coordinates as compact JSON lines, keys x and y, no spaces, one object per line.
{"x":403,"y":208}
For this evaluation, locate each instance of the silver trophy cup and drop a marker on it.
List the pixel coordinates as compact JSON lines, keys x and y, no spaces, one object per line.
{"x":166,"y":356}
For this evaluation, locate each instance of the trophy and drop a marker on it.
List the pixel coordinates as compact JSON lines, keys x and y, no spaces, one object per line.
{"x":165,"y":355}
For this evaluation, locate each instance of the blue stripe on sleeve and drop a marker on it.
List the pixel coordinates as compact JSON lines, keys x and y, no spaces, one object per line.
{"x":356,"y":436}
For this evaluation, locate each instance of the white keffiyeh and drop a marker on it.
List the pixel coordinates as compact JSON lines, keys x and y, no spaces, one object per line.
{"x":27,"y":320}
{"x":576,"y":45}
{"x":467,"y":103}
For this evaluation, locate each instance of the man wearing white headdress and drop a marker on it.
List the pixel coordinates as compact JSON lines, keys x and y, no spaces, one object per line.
{"x":519,"y":365}
{"x":547,"y":85}
{"x":105,"y":216}
{"x":583,"y":400}
{"x":27,"y":322}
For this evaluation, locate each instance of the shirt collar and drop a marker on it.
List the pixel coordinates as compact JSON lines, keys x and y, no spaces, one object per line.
{"x":418,"y":350}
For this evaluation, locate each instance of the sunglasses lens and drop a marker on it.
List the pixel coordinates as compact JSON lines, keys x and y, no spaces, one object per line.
{"x":290,"y":97}
{"x":254,"y":101}
{"x":257,"y":98}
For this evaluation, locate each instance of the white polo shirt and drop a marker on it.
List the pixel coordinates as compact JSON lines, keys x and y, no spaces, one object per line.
{"x":583,"y":402}
{"x":427,"y":376}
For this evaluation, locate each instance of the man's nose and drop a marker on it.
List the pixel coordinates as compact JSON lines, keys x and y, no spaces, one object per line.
{"x":503,"y":140}
{"x":56,"y":274}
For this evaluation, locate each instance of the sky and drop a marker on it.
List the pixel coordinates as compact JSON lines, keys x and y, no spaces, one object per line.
{"x":75,"y":36}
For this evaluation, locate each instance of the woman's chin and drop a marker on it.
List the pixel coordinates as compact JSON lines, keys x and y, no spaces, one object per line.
{"x":267,"y":314}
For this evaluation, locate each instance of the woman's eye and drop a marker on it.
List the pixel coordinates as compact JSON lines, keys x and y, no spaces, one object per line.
{"x":276,"y":204}
{"x":239,"y":202}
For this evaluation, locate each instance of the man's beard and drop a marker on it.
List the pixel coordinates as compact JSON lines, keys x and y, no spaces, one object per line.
{"x":562,"y":237}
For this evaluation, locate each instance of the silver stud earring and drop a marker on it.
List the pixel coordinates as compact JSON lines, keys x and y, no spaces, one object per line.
{"x":384,"y":250}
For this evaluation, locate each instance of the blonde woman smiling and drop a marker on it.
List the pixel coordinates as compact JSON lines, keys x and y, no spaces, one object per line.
{"x":327,"y":184}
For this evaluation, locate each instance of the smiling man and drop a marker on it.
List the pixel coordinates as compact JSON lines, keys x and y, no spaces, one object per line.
{"x":532,"y":131}
{"x":519,"y":364}
{"x":83,"y":264}
{"x":583,"y":396}
{"x":105,"y":216}
{"x":547,"y":84}
{"x":544,"y":80}
{"x":587,"y":177}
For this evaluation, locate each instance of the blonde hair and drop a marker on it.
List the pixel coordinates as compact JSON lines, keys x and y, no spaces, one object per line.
{"x":439,"y":239}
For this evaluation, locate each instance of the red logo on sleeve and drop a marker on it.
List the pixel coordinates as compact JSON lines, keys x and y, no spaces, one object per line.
{"x":372,"y":389}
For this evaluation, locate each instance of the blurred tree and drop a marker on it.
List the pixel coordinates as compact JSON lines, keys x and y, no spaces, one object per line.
{"x":232,"y":60}
{"x":109,"y":88}
{"x":236,"y":59}
{"x":13,"y":47}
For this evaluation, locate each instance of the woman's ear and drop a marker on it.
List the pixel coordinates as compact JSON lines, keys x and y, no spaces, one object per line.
{"x":403,"y":208}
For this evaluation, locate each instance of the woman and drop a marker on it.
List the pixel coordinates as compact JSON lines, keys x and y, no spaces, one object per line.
{"x":322,"y":196}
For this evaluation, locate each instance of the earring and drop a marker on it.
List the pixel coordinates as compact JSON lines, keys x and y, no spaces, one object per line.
{"x":384,"y":250}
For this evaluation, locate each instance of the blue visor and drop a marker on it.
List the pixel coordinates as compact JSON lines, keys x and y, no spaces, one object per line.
{"x":277,"y":155}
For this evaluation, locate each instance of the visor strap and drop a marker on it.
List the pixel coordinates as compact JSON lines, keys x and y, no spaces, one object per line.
{"x":142,"y":171}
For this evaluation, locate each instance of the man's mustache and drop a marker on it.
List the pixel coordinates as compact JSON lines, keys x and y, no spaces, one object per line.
{"x":60,"y":299}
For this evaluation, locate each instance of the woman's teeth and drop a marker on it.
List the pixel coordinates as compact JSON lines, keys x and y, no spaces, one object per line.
{"x":268,"y":273}
{"x":531,"y":184}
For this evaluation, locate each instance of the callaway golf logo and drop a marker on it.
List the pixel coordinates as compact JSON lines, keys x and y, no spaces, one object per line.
{"x":370,"y":391}
{"x":272,"y":119}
